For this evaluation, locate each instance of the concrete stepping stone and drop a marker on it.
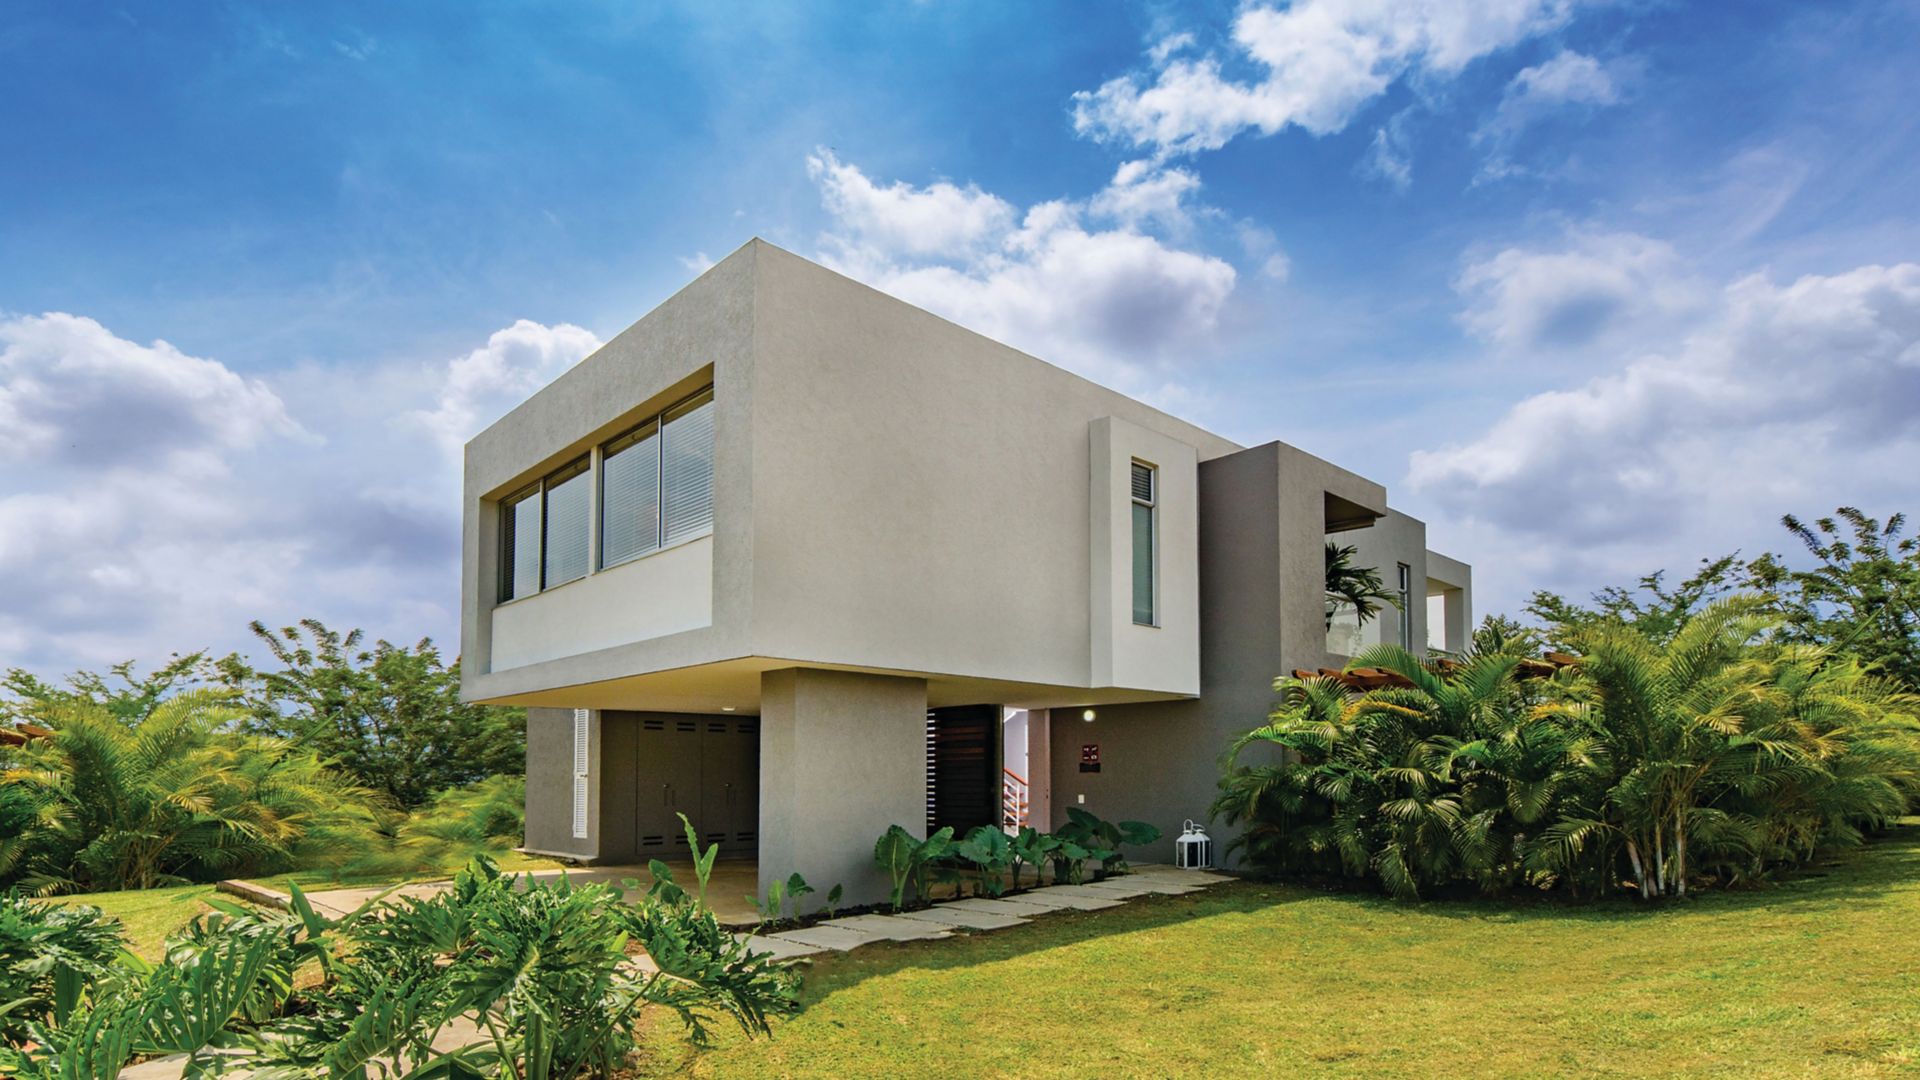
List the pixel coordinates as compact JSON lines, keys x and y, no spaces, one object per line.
{"x":1033,"y":898}
{"x":1003,"y":907}
{"x":1120,"y":890}
{"x":947,"y":915}
{"x":889,"y":927}
{"x":1077,"y":897}
{"x":778,"y":948}
{"x":837,"y":938}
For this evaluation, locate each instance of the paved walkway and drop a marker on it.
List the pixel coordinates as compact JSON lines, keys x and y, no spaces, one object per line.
{"x":727,"y":890}
{"x":979,"y":913}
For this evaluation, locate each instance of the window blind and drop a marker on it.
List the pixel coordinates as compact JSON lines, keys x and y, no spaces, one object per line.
{"x":1143,"y":482}
{"x":630,"y":496}
{"x":686,"y":470}
{"x":520,"y":540}
{"x":566,"y":539}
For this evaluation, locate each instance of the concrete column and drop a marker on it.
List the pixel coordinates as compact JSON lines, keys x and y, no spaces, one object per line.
{"x":1040,"y":769}
{"x":843,"y":755}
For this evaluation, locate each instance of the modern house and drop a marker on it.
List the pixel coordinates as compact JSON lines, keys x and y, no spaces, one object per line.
{"x":800,"y":561}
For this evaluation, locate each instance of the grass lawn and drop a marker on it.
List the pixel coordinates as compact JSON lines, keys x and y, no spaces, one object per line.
{"x":512,"y":862}
{"x":1819,"y":976}
{"x":148,"y":914}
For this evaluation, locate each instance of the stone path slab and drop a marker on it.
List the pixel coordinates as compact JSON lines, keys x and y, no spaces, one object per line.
{"x":1119,"y":889}
{"x":978,"y":913}
{"x":779,"y":948}
{"x":889,"y":927}
{"x":948,"y":915}
{"x":1077,"y":897}
{"x":837,"y":938}
{"x":1016,"y":906}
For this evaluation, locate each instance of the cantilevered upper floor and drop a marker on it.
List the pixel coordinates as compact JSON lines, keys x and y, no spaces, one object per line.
{"x":780,"y":467}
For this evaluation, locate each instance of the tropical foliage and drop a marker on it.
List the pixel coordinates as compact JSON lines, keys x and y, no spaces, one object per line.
{"x":1355,"y":587}
{"x":993,"y":861}
{"x":147,"y":791}
{"x":1716,"y":754}
{"x":493,"y":977}
{"x":391,"y":717}
{"x":1859,"y":597}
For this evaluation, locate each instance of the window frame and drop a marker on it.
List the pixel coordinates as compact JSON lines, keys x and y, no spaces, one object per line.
{"x":1406,"y":605}
{"x":1152,"y":505}
{"x":612,"y":448}
{"x":533,"y":493}
{"x":658,"y":423}
{"x":578,"y":467}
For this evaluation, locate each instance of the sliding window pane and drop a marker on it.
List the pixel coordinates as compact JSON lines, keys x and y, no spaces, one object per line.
{"x":566,"y":537}
{"x":520,"y":546}
{"x":630,"y":496}
{"x":687,"y":471}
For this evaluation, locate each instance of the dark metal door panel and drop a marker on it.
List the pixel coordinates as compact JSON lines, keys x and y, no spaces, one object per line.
{"x":963,"y":767}
{"x":667,"y":783}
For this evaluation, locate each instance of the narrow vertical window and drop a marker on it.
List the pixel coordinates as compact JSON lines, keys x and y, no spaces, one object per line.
{"x":686,"y":470}
{"x":566,"y":513}
{"x":581,"y":760}
{"x":520,"y":544}
{"x":630,"y":495}
{"x":1144,"y":495}
{"x":1406,"y":607}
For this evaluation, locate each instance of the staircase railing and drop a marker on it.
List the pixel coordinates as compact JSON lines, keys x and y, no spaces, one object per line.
{"x":1015,"y":800}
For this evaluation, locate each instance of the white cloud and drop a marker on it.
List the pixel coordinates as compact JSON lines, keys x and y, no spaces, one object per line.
{"x":171,"y":500}
{"x":1795,"y":397}
{"x":73,"y":393}
{"x":1118,"y":305}
{"x":483,"y":385}
{"x":1141,"y":193}
{"x":1320,"y":63}
{"x":1388,"y":157}
{"x":1568,"y":80}
{"x":902,"y":220}
{"x":1601,"y":285}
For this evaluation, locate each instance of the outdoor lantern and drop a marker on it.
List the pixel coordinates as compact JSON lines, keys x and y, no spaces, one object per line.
{"x":1194,"y":849}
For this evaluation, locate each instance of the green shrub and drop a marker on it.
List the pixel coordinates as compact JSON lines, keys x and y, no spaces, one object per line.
{"x":541,"y":967}
{"x":48,"y":954}
{"x":1712,"y":752}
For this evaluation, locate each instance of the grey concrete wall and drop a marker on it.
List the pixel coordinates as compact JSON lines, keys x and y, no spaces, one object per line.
{"x":1262,"y":583}
{"x":550,"y":786}
{"x":920,"y":491}
{"x":842,"y":756}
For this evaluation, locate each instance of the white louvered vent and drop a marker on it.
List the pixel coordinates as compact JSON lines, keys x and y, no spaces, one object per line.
{"x":580,"y":733}
{"x":1143,"y":482}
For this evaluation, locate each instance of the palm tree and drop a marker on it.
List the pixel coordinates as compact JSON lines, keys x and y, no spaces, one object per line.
{"x":169,"y":795}
{"x":1357,"y":587}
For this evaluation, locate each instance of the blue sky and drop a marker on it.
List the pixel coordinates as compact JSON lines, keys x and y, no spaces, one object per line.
{"x":1595,"y":288}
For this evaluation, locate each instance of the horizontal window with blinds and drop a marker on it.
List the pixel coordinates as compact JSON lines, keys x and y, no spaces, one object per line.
{"x":630,"y":495}
{"x":656,"y":482}
{"x":566,"y":515}
{"x":686,"y":470}
{"x":520,"y":544}
{"x":655,"y":488}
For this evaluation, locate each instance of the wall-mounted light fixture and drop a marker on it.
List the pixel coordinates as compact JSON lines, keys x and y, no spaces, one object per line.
{"x":1087,"y":716}
{"x":726,"y":708}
